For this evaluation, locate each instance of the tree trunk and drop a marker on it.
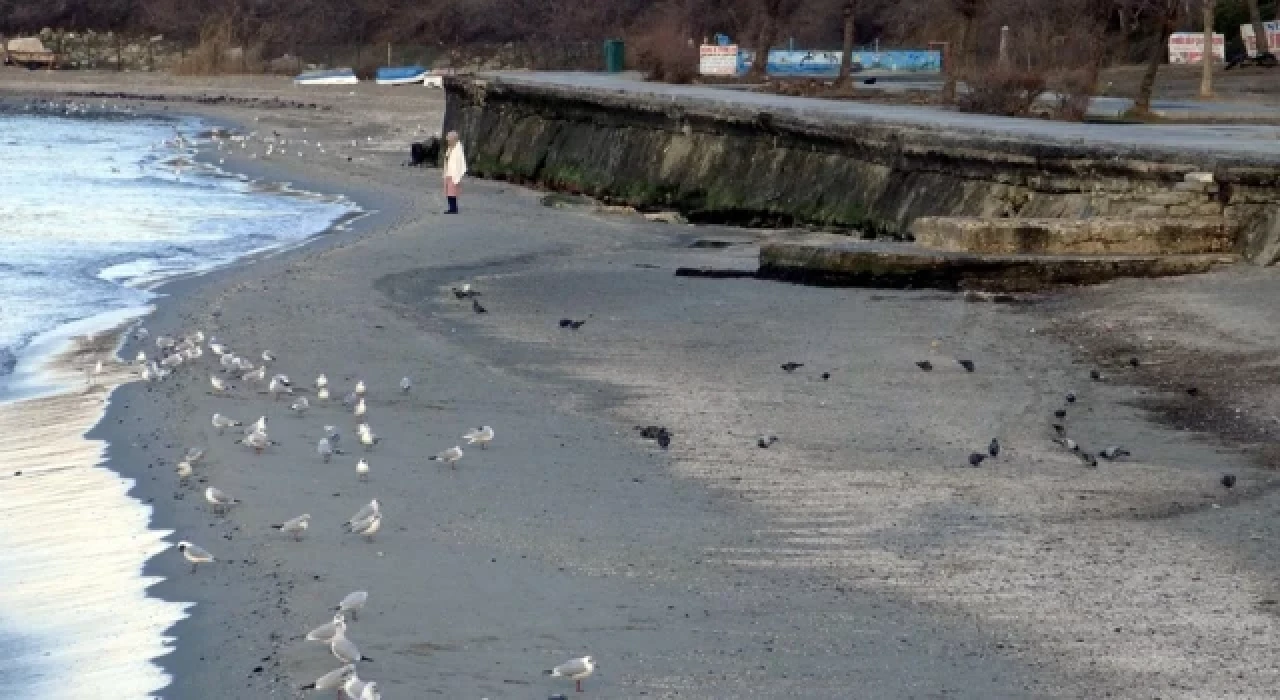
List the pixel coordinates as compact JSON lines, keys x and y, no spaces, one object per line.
{"x":846,"y":55}
{"x":1259,"y":29}
{"x":959,"y":55}
{"x":768,"y":30}
{"x":1142,"y":103}
{"x":1206,"y":75}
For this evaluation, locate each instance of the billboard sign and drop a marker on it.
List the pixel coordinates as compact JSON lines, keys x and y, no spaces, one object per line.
{"x":1188,"y":48}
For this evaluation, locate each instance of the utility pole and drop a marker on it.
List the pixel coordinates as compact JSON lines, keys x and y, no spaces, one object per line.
{"x":846,"y":55}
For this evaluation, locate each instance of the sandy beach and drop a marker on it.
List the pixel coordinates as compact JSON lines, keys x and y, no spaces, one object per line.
{"x":858,"y":556}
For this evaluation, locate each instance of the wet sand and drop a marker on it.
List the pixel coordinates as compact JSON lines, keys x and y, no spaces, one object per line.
{"x":859,"y":556}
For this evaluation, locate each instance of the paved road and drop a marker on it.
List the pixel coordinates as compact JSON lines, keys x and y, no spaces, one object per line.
{"x":1260,"y":144}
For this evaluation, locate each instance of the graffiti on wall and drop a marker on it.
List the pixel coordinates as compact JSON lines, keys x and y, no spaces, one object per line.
{"x":819,"y":64}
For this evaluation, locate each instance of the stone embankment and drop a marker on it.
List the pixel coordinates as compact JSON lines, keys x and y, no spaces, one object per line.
{"x":962,"y":185}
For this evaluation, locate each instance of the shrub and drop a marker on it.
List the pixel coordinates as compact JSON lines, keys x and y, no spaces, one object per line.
{"x":662,"y":47}
{"x":1006,"y":91}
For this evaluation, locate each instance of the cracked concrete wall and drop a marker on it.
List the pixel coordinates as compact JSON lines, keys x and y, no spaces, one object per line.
{"x":724,"y":162}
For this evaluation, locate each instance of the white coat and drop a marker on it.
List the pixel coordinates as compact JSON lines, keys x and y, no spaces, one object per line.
{"x":455,"y":164}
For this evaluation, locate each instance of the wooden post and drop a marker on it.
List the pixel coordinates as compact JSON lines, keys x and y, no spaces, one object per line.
{"x":388,"y":54}
{"x":1004,"y":46}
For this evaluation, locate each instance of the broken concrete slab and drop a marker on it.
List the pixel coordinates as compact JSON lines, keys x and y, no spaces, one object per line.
{"x":1092,"y":236}
{"x":894,"y":265}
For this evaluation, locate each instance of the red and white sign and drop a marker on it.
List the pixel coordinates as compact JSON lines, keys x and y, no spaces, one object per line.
{"x":718,"y":60}
{"x":1188,"y":47}
{"x":1250,"y":39}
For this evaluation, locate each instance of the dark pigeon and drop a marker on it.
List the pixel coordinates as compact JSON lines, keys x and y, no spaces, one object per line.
{"x":925,"y":365}
{"x":664,"y":439}
{"x":826,"y":376}
{"x":976,"y":458}
{"x":1071,"y":397}
{"x":792,"y":366}
{"x":475,"y":306}
{"x":967,"y":365}
{"x":765,"y":441}
{"x":994,"y":448}
{"x":1060,"y":429}
{"x":1193,"y":392}
{"x":566,"y":322}
{"x":575,"y":325}
{"x":1095,"y":375}
{"x":1229,"y":480}
{"x":1088,"y":459}
{"x":1114,"y":452}
{"x":1133,"y":362}
{"x":1060,"y":413}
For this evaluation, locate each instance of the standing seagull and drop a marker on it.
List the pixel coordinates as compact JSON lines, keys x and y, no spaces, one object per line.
{"x":332,"y":680}
{"x":221,"y":422}
{"x":324,"y":449}
{"x":576,"y":670}
{"x":482,"y":435}
{"x":295,"y":526}
{"x":325,"y":632}
{"x":218,"y":384}
{"x":360,"y":388}
{"x":368,"y":528}
{"x":363,"y":514}
{"x":195,"y":555}
{"x":449,"y":456}
{"x":219,"y":500}
{"x":361,"y":409}
{"x":405,"y":385}
{"x":362,"y":470}
{"x":346,"y":650}
{"x":354,"y":602}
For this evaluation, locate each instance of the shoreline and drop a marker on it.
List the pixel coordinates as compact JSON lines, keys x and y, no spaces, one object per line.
{"x":855,"y":553}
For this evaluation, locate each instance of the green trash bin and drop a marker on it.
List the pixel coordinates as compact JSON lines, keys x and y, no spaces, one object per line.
{"x":614,"y":55}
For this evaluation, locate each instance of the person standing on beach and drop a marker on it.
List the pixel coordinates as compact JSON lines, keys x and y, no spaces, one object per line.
{"x":455,"y":167}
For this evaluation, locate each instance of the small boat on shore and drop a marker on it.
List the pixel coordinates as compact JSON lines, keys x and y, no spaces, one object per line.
{"x":337,"y":76}
{"x":401,"y":75}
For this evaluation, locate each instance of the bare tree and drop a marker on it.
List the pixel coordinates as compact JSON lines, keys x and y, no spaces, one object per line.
{"x":1166,"y":18}
{"x":846,"y":52}
{"x":1259,"y":29}
{"x":960,"y":57}
{"x":772,"y":14}
{"x":1206,"y":75}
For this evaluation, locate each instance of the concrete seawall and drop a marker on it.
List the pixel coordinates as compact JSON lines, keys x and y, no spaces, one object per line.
{"x":720,"y":155}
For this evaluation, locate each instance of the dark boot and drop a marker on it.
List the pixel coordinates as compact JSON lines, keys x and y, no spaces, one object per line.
{"x":453,"y":205}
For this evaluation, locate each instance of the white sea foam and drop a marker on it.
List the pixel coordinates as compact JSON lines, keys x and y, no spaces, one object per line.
{"x":91,"y":220}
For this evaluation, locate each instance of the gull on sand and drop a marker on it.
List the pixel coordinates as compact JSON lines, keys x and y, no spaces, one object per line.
{"x":194,"y":554}
{"x":354,"y":602}
{"x":345,"y":650}
{"x":362,"y":470}
{"x":325,"y":632}
{"x":256,"y":440}
{"x":218,"y":384}
{"x":219,"y":500}
{"x":324,"y":449}
{"x":449,"y":456}
{"x":406,"y":384}
{"x":360,"y":409}
{"x":322,"y":381}
{"x":300,"y":406}
{"x":332,"y":680}
{"x":576,"y":670}
{"x":295,"y":526}
{"x":369,"y":527}
{"x":184,"y":470}
{"x":222,"y":422}
{"x":482,"y":436}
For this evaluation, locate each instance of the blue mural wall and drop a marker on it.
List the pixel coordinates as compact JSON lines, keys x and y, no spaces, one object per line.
{"x":820,"y":64}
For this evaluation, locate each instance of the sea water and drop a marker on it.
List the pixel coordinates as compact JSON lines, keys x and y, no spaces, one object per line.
{"x":94,"y":212}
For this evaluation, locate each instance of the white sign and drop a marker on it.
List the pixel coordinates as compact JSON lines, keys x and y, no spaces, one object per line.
{"x":1250,"y":39}
{"x":1188,"y":47}
{"x":718,"y":60}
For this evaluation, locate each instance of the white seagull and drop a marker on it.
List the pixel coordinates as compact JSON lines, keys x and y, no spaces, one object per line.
{"x":405,"y":385}
{"x":449,"y":456}
{"x":295,"y":526}
{"x":333,"y":680}
{"x":325,"y":632}
{"x":256,"y":440}
{"x":362,"y":470}
{"x":194,"y":554}
{"x":218,"y":384}
{"x":322,"y":381}
{"x":300,"y":406}
{"x":368,"y":528}
{"x":219,"y":500}
{"x":354,"y":602}
{"x":322,"y":393}
{"x":576,"y":670}
{"x":482,"y":435}
{"x":345,"y":650}
{"x":222,"y":422}
{"x":194,"y":454}
{"x":184,"y":471}
{"x":360,"y":409}
{"x":368,"y":511}
{"x":324,"y":449}
{"x":277,"y":387}
{"x":360,"y":388}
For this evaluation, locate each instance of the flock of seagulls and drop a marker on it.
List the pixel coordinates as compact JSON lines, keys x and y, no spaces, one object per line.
{"x":234,"y":374}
